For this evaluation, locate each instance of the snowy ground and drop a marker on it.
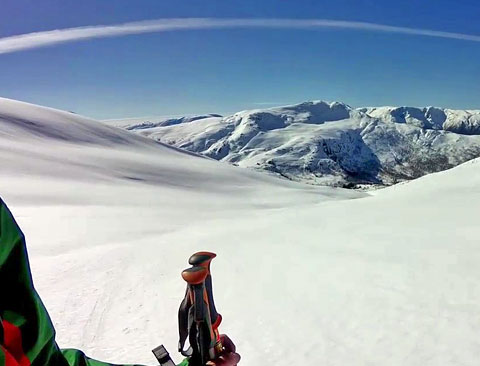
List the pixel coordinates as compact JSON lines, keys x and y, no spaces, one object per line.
{"x":304,"y":275}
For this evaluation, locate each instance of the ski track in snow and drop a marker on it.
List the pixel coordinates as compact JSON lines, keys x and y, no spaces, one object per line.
{"x":304,"y":274}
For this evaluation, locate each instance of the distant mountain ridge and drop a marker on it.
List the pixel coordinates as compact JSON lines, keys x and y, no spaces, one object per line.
{"x":466,"y":122}
{"x":330,"y":143}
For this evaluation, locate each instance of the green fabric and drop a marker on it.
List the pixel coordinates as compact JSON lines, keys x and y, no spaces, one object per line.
{"x":75,"y":357}
{"x":21,"y":306}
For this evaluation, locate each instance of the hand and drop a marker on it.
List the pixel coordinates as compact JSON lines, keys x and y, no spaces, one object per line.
{"x":229,"y":357}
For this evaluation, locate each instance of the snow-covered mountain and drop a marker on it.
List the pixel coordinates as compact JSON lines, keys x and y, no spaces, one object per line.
{"x":329,"y":143}
{"x":305,"y":275}
{"x":39,"y":141}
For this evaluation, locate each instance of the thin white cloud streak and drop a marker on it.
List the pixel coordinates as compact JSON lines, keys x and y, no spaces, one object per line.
{"x":48,"y":38}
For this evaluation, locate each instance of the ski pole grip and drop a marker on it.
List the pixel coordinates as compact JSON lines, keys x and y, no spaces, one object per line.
{"x":195,"y":275}
{"x":203,"y":259}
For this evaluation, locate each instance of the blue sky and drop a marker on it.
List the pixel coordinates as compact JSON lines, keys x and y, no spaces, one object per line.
{"x":226,"y":70}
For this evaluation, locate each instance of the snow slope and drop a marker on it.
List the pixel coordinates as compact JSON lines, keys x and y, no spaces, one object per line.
{"x":304,"y":274}
{"x":46,"y":142}
{"x":151,"y":122}
{"x":331,"y":143}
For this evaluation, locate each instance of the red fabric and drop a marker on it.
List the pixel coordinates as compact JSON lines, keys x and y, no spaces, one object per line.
{"x":12,"y":346}
{"x":217,"y":322}
{"x":9,"y":360}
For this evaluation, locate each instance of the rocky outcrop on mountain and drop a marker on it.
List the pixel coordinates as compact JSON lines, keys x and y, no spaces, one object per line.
{"x":331,"y":143}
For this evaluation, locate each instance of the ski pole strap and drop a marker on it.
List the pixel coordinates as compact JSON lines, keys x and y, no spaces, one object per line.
{"x":214,"y":316}
{"x":184,"y":323}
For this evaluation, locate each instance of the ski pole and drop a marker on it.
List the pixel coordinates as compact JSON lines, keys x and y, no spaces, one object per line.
{"x":198,"y":319}
{"x":201,"y":335}
{"x":204,"y":259}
